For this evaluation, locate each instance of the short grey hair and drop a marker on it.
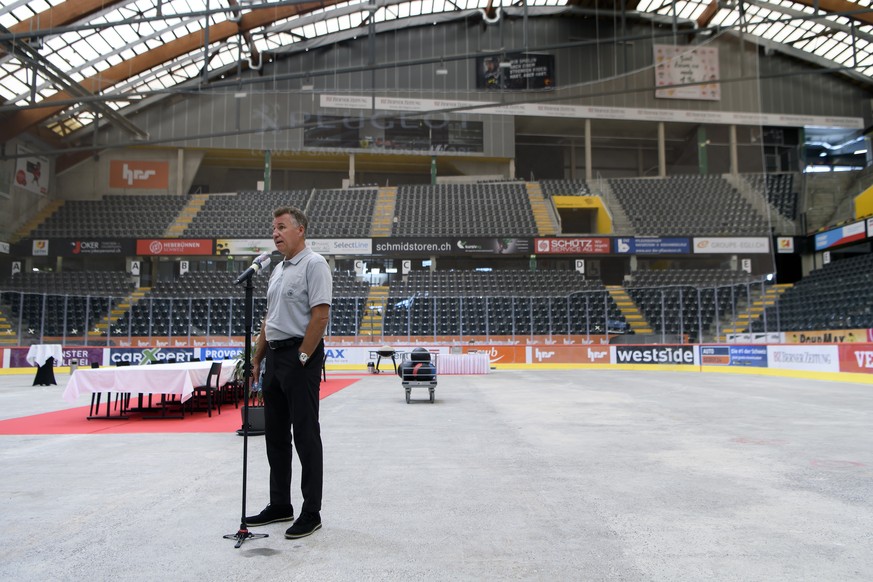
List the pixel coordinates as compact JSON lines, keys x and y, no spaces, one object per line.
{"x":297,"y":214}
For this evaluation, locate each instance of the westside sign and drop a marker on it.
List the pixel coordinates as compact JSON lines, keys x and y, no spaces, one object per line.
{"x":683,"y":355}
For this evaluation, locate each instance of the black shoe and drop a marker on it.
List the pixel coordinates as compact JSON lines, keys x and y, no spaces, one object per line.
{"x":272,"y":514}
{"x":308,"y":523}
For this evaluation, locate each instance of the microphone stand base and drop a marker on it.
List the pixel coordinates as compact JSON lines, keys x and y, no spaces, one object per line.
{"x":244,"y":534}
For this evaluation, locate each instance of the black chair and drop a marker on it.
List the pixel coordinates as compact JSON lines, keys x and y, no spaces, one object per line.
{"x":212,"y":386}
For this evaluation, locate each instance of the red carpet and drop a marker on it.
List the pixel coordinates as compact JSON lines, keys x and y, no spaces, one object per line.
{"x":74,"y":421}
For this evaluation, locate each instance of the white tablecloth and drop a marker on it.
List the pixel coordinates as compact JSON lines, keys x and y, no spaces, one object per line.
{"x":179,"y":379}
{"x":463,"y":364}
{"x":39,"y":353}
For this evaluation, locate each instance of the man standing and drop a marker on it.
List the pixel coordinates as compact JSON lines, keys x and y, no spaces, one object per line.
{"x":290,"y":344}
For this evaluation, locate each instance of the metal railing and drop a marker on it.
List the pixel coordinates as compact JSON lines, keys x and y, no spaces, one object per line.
{"x":691,"y":314}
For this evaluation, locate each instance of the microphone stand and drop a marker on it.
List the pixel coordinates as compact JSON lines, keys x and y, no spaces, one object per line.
{"x":244,"y":534}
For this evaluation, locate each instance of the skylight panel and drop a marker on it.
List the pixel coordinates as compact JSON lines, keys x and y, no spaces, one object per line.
{"x":22,"y":13}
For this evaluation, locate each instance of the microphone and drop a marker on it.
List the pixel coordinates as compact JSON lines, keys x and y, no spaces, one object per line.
{"x":262,"y":262}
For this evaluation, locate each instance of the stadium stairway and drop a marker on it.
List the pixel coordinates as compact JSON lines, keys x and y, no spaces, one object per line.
{"x":746,"y":316}
{"x":8,"y":337}
{"x":546,"y":225}
{"x":629,"y":309}
{"x":371,"y":323}
{"x":383,"y":213}
{"x":25,"y":229}
{"x":186,"y":215}
{"x":101,"y":328}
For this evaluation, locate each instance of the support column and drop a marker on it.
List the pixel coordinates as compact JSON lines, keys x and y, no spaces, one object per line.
{"x":572,"y":159}
{"x":662,"y":151}
{"x":352,"y":170}
{"x":268,"y":170}
{"x":180,"y":172}
{"x":735,"y":160}
{"x":589,"y":172}
{"x":702,"y":157}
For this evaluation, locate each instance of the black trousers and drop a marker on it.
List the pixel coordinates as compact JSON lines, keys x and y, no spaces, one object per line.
{"x":291,"y":404}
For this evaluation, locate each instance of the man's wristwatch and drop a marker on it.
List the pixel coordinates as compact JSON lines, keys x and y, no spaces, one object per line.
{"x":303,"y":357}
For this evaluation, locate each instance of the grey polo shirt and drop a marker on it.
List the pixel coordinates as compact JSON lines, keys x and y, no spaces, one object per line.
{"x":296,"y":286}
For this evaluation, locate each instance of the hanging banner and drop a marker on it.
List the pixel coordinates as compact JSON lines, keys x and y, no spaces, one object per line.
{"x":515,"y":71}
{"x":32,"y":172}
{"x":683,"y":72}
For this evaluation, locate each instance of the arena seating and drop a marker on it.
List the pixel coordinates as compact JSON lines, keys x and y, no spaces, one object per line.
{"x":248,"y":214}
{"x":837,"y":296}
{"x":687,"y":206}
{"x":498,"y":209}
{"x":65,"y":303}
{"x":565,"y":188}
{"x":113,"y":216}
{"x":510,"y":302}
{"x":349,"y":302}
{"x":686,"y":301}
{"x":779,"y":190}
{"x":199,"y":303}
{"x":213,"y":305}
{"x":341,"y":213}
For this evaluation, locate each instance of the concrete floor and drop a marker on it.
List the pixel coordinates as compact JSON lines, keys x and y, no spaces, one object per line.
{"x":519,"y":475}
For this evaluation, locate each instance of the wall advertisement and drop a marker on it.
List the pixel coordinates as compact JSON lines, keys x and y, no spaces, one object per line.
{"x":677,"y":355}
{"x":856,"y":358}
{"x":812,"y":358}
{"x":732,"y":245}
{"x":839,"y":236}
{"x":652,"y":246}
{"x":561,"y":354}
{"x":838,"y":336}
{"x":174,"y":246}
{"x":427,"y":246}
{"x":139,"y":174}
{"x":573,"y":246}
{"x":142,"y":356}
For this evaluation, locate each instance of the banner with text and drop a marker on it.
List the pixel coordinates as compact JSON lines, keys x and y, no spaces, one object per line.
{"x":732,"y":245}
{"x":174,"y":246}
{"x":426,"y":246}
{"x":573,"y":246}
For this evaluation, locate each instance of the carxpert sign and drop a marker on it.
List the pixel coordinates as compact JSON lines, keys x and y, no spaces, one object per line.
{"x":680,"y":355}
{"x":140,"y":356}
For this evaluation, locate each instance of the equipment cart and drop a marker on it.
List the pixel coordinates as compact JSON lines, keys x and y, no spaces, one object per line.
{"x":418,"y":371}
